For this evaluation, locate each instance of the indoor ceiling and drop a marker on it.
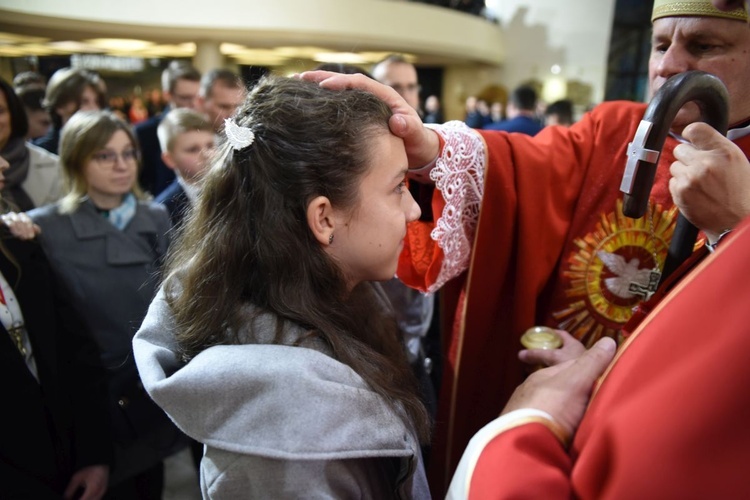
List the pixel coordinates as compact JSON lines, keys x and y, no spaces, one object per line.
{"x":361,"y":35}
{"x":21,"y":45}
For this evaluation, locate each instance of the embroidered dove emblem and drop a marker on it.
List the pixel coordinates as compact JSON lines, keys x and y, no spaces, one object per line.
{"x":627,"y":273}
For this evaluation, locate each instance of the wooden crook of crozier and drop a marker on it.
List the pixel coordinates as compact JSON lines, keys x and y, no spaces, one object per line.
{"x":643,"y":153}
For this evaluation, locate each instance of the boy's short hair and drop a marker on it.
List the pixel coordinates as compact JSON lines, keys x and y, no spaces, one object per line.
{"x":177,"y":122}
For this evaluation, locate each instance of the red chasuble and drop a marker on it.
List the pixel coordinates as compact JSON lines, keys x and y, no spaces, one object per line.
{"x":551,"y":247}
{"x":669,"y":417}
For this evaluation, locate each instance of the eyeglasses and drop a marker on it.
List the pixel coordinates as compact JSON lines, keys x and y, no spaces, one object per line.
{"x":410,"y":87}
{"x":109,"y":158}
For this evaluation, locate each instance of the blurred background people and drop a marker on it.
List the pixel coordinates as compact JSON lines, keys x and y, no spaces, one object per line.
{"x":520,"y":112}
{"x":433,"y":111}
{"x":34,"y":177}
{"x":155,"y":102}
{"x":38,"y":117}
{"x":70,"y":90}
{"x":180,"y":85}
{"x":221,"y":92}
{"x":119,"y":106}
{"x":137,"y":112}
{"x":107,"y":246}
{"x":559,"y":113}
{"x":496,"y":112}
{"x":29,"y":79}
{"x":477,"y":112}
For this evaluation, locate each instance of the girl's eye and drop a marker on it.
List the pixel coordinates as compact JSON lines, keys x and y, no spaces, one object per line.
{"x":400,"y":187}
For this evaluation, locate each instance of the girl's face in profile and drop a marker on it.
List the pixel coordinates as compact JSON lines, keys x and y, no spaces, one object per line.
{"x":369,"y":240}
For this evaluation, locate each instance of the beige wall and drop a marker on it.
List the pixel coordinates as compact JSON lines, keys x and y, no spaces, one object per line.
{"x":573,"y":34}
{"x":538,"y":34}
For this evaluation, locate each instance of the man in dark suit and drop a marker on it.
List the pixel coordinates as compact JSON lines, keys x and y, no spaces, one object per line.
{"x":180,"y":85}
{"x":521,"y":113}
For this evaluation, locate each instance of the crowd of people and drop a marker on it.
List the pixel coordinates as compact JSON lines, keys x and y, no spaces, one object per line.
{"x":320,"y":295}
{"x":97,"y":244}
{"x":524,"y":112}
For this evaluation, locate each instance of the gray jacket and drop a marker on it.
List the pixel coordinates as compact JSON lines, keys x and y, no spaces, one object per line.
{"x":279,"y":421}
{"x":98,"y":262}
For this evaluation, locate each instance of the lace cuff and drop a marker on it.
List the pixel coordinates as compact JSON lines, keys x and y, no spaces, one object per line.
{"x":459,"y":175}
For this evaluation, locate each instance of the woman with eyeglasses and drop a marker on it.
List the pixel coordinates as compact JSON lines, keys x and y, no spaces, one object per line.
{"x":106,"y":243}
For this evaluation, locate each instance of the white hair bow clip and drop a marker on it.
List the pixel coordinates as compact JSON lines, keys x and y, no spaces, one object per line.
{"x":239,"y":137}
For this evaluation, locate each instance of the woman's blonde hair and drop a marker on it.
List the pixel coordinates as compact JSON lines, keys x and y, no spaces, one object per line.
{"x":85,"y":134}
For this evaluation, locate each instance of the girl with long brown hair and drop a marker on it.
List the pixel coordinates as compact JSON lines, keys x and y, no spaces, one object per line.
{"x":269,"y":342}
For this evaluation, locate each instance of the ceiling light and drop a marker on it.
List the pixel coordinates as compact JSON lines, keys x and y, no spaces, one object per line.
{"x":120,"y":44}
{"x":179,"y":50}
{"x":231,"y":48}
{"x":339,"y":57}
{"x":11,"y":38}
{"x":72,"y":47}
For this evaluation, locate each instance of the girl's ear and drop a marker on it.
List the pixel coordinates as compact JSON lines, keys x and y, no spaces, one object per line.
{"x":320,"y":219}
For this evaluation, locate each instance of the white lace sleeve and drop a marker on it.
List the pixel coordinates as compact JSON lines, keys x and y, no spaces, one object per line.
{"x":459,"y":175}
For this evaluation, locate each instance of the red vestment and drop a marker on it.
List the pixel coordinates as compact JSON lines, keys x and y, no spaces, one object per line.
{"x":669,"y":417}
{"x":551,"y":247}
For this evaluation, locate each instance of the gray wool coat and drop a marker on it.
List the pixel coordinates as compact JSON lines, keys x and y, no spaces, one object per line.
{"x":114,"y":273}
{"x":279,"y":421}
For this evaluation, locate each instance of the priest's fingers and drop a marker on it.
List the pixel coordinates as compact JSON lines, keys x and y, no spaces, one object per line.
{"x":421,"y":144}
{"x":710,"y":180}
{"x":563,"y":390}
{"x":339,"y":81}
{"x":570,"y":349}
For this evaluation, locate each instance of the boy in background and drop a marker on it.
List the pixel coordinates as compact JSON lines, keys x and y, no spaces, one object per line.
{"x":186,"y":138}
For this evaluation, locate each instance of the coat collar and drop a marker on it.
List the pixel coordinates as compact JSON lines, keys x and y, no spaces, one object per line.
{"x":135,"y":245}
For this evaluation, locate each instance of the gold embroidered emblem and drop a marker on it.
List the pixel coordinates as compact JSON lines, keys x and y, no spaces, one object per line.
{"x":611,"y":264}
